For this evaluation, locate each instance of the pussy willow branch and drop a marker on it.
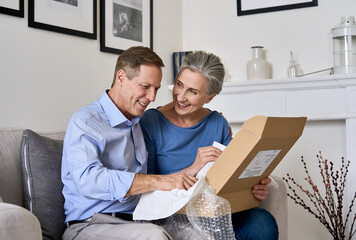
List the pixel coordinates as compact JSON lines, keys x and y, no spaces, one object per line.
{"x":347,"y":217}
{"x":329,"y":197}
{"x":328,"y":209}
{"x":319,"y":204}
{"x":301,"y":202}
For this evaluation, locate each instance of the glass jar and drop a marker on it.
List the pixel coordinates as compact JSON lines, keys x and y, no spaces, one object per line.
{"x":344,"y":41}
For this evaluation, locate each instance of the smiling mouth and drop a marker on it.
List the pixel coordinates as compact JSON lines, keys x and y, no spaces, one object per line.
{"x":143,"y":104}
{"x":182,"y":105}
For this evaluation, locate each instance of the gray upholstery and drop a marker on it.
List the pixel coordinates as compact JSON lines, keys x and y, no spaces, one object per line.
{"x":15,"y":221}
{"x":11,"y":188}
{"x":18,"y":223}
{"x":276,"y":204}
{"x":11,"y":191}
{"x":41,"y":169}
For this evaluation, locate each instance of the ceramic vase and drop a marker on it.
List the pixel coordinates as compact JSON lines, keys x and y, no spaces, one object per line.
{"x":258,"y":67}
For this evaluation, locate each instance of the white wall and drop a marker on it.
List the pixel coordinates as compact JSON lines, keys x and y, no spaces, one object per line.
{"x":214,"y":26}
{"x":46,"y":76}
{"x":167,"y":39}
{"x":327,"y":137}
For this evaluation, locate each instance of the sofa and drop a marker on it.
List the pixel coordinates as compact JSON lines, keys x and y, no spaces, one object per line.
{"x":30,"y":187}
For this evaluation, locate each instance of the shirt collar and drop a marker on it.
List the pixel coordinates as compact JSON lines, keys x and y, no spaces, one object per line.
{"x":114,"y":114}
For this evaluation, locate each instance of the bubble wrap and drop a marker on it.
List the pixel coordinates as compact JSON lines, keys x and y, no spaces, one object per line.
{"x":207,"y":216}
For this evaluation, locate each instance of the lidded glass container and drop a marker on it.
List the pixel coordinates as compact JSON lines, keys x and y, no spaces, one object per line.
{"x":344,"y":41}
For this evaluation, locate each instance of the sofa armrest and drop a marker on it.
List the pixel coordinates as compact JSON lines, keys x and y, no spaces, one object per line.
{"x":18,"y":223}
{"x":276,"y":204}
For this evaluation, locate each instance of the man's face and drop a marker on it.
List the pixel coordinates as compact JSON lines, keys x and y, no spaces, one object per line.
{"x":139,"y":91}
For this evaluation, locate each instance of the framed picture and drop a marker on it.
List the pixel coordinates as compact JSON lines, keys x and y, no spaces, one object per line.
{"x":74,"y":17}
{"x":246,"y":7}
{"x":125,"y":23}
{"x":12,"y":7}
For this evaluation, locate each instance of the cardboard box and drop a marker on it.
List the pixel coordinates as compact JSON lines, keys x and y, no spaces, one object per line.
{"x":252,"y":155}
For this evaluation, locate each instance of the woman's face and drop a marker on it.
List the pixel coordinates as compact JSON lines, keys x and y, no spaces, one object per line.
{"x":190,"y":93}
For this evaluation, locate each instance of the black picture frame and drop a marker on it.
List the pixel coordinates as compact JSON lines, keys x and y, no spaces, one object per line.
{"x":80,"y":21}
{"x":17,"y":12}
{"x":241,"y":11}
{"x":112,"y":38}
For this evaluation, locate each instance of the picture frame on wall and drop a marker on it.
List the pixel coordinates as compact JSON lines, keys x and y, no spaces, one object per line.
{"x":247,"y":7}
{"x":73,"y":17}
{"x":125,"y":23}
{"x":12,"y":7}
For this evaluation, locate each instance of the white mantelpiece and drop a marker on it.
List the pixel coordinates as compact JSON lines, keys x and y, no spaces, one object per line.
{"x":320,"y":98}
{"x":331,"y":97}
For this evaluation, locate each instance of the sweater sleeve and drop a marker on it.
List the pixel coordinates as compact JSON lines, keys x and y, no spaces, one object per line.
{"x":226,"y":138}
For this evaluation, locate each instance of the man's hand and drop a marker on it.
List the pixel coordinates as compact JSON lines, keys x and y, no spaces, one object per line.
{"x":177,"y":180}
{"x":147,"y":183}
{"x":204,"y":155}
{"x":260,"y":190}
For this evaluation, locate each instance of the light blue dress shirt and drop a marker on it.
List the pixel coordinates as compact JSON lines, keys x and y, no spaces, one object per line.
{"x":102,"y":152}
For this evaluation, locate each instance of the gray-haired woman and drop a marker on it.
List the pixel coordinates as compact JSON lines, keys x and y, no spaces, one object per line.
{"x":180,"y":134}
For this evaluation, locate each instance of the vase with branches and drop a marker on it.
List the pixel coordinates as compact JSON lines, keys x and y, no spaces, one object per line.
{"x":328,"y":206}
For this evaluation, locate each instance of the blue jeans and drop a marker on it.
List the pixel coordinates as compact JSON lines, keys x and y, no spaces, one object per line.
{"x":256,"y":224}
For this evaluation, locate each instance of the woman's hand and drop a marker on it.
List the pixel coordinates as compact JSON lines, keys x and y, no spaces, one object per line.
{"x":204,"y":155}
{"x":260,"y":190}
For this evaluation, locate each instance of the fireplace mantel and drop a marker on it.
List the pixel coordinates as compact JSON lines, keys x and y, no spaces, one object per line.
{"x":319,"y":98}
{"x":331,"y":97}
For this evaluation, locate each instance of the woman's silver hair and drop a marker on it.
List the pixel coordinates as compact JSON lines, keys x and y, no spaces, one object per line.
{"x":208,"y":65}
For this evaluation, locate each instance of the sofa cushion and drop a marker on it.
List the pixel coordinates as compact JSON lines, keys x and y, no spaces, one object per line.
{"x":18,"y":223}
{"x":11,"y":187}
{"x":41,"y":166}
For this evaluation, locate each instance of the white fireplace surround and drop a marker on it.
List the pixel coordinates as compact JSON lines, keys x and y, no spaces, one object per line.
{"x":331,"y":97}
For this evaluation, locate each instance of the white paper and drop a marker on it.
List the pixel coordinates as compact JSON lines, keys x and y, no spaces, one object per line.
{"x":162,"y":204}
{"x":259,"y":163}
{"x":219,"y":146}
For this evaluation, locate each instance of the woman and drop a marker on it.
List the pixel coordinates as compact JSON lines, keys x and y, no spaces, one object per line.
{"x":179,"y":136}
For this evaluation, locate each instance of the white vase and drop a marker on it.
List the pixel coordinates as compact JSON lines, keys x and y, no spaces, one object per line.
{"x":258,"y":67}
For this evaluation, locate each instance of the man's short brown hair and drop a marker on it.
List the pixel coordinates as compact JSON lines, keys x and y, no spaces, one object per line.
{"x":131,"y":60}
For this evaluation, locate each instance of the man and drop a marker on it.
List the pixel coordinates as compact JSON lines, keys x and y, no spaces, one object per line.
{"x":104,"y":156}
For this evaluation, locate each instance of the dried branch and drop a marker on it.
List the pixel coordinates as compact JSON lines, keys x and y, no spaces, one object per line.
{"x":328,"y":209}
